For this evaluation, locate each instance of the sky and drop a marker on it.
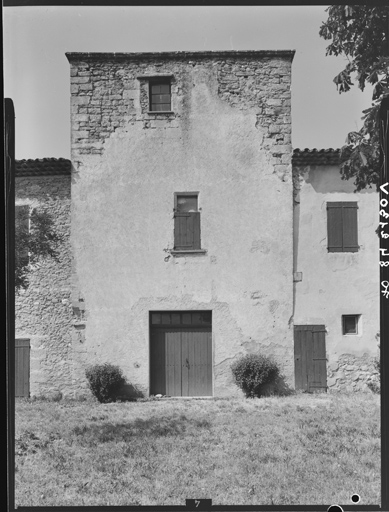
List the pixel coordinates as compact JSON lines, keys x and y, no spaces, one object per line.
{"x":37,"y":73}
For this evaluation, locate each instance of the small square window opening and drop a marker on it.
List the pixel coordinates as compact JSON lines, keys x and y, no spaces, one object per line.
{"x":160,"y":96}
{"x":350,"y":324}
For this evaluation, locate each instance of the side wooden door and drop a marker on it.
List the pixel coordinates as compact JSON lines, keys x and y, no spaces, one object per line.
{"x":310,"y":360}
{"x":22,"y":368}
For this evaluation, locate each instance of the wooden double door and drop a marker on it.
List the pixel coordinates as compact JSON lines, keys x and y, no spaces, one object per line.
{"x":181,"y":361}
{"x":310,"y":362}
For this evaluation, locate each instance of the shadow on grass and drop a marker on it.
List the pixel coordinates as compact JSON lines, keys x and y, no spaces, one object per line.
{"x":277,"y":388}
{"x":129,"y":393}
{"x":138,"y":429}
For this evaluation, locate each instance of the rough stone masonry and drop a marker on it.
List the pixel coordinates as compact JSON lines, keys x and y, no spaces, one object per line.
{"x":44,"y":309}
{"x":106,"y":96}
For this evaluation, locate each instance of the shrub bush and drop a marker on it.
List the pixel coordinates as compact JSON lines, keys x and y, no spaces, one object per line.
{"x":253,"y":372}
{"x":105,"y":380}
{"x":377,"y":365}
{"x":375,"y":387}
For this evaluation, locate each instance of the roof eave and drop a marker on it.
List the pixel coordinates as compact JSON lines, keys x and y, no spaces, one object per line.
{"x":77,"y":56}
{"x":43,"y":167}
{"x":315,"y":156}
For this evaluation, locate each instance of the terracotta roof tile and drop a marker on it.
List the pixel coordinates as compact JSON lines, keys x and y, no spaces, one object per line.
{"x":62,"y":166}
{"x":315,"y":156}
{"x":43,"y":167}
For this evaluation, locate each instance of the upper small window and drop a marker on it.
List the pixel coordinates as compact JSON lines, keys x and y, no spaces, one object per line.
{"x":186,"y":203}
{"x":342,"y":226}
{"x":350,"y":324}
{"x":160,"y":96}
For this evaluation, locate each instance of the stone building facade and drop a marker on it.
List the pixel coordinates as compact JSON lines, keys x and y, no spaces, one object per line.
{"x":337,"y":287}
{"x":192,"y":240}
{"x":224,"y":140}
{"x":44,"y":310}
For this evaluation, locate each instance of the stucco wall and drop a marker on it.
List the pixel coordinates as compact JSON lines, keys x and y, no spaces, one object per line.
{"x":336,"y":283}
{"x":43,"y":312}
{"x":229,"y":139}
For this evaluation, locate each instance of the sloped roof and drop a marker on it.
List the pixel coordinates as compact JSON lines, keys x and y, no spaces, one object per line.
{"x":62,"y":166}
{"x":315,"y":156}
{"x":42,"y":167}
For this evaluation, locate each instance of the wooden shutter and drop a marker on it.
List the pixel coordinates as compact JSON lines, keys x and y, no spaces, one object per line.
{"x":21,"y":232}
{"x":350,"y":227}
{"x":187,"y":230}
{"x":22,"y":368}
{"x":342,"y":227}
{"x":334,"y":227}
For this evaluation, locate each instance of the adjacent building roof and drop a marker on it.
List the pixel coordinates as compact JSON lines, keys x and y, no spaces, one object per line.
{"x":42,"y":167}
{"x":62,"y":166}
{"x":315,"y":156}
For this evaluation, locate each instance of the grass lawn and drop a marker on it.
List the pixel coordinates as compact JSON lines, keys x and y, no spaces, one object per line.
{"x":302,"y":449}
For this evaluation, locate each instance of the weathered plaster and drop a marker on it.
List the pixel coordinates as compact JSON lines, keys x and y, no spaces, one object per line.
{"x":129,"y":164}
{"x":43,"y":311}
{"x":336,"y":284}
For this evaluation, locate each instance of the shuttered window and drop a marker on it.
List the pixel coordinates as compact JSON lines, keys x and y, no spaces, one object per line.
{"x":186,"y":222}
{"x":342,"y":226}
{"x":160,"y":96}
{"x":22,"y":226}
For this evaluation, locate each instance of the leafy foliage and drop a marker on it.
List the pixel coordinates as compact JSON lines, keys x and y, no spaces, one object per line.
{"x":105,"y":380}
{"x":374,"y":386}
{"x":254,"y":371}
{"x":35,"y":238}
{"x":361,"y":34}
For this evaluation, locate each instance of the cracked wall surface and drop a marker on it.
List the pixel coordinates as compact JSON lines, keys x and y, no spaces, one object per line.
{"x":228,"y":137}
{"x":44,"y":310}
{"x":337,"y":283}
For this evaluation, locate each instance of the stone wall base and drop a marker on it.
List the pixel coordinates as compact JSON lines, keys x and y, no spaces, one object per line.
{"x":351,"y":373}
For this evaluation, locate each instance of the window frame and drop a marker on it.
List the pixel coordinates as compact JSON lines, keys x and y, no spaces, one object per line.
{"x":196,"y":247}
{"x":145,"y":99}
{"x":187,"y":194}
{"x":357,"y":325}
{"x":336,"y":227}
{"x":159,"y":81}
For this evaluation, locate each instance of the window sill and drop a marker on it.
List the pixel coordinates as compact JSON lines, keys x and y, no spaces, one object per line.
{"x":178,"y":252}
{"x":155,"y":76}
{"x":343,"y":250}
{"x":160,"y":112}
